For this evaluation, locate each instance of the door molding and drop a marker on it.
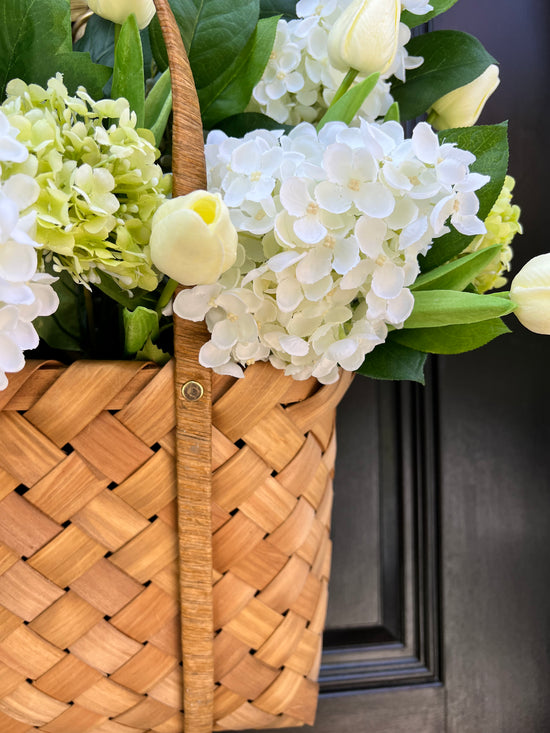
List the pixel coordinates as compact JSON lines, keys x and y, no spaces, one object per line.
{"x":404,"y":646}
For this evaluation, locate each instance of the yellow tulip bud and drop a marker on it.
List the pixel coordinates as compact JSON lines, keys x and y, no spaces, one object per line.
{"x":193,"y":239}
{"x":530,"y":290}
{"x":365,"y":36}
{"x":462,"y":106}
{"x":118,"y":10}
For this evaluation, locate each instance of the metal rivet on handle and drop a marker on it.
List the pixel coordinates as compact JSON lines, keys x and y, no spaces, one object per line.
{"x":192,"y":391}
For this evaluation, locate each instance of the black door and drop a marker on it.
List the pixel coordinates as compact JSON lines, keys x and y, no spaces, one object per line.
{"x":439,"y":615}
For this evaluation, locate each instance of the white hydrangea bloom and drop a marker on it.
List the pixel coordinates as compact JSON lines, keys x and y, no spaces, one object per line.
{"x":417,"y":7}
{"x":299,"y":82}
{"x":345,"y":214}
{"x":25,"y":293}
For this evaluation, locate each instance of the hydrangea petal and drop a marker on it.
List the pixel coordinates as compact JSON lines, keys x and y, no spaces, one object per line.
{"x":211,"y":356}
{"x":289,"y":295}
{"x":11,"y":356}
{"x":375,"y":200}
{"x":388,"y":280}
{"x":316,"y":264}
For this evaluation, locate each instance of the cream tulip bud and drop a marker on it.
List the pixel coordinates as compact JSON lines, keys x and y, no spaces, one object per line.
{"x":530,"y":290}
{"x":118,"y":10}
{"x":462,"y":106}
{"x":365,"y":36}
{"x":193,"y":239}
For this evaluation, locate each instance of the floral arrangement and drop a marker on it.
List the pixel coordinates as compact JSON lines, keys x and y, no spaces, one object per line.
{"x":356,"y":216}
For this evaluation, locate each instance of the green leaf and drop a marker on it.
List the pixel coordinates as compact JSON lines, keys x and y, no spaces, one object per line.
{"x":451,"y":339}
{"x":439,"y":6}
{"x":230,"y":93}
{"x":138,"y":296}
{"x":393,"y":361}
{"x":77,"y":69}
{"x":434,"y":308}
{"x":99,"y":41}
{"x":284,"y":8}
{"x":239,"y":125}
{"x":151,"y":352}
{"x":458,"y":274}
{"x":64,"y":329}
{"x":489,"y":143}
{"x":393,"y":114}
{"x":213,"y":32}
{"x":158,"y":47}
{"x":128,"y":69}
{"x":158,"y":106}
{"x":348,"y":105}
{"x":30,"y":32}
{"x":140,"y":324}
{"x":451,"y":60}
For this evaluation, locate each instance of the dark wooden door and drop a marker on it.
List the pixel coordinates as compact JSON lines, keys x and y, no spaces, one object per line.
{"x":439,"y":615}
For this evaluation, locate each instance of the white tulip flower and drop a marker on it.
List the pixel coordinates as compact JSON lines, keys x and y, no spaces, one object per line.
{"x":530,"y":290}
{"x":193,"y":240}
{"x":118,"y":10}
{"x":365,"y":37}
{"x":463,"y":106}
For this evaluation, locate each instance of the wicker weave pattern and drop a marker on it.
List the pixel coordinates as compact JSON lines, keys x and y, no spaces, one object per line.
{"x":89,"y":613}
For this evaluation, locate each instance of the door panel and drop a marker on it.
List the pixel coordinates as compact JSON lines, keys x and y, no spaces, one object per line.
{"x":439,"y":610}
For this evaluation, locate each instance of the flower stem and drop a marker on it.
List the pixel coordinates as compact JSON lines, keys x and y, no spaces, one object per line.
{"x":167,"y":293}
{"x":345,"y":85}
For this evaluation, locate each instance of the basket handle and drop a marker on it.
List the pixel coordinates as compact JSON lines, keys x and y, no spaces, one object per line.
{"x":194,"y":416}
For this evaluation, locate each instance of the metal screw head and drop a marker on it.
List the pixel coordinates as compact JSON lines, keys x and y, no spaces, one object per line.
{"x":192,"y":391}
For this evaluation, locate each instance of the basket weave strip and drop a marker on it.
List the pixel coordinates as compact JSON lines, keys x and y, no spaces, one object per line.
{"x":89,"y":568}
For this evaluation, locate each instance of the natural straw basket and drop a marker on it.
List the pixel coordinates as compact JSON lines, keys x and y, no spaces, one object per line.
{"x":141,"y":530}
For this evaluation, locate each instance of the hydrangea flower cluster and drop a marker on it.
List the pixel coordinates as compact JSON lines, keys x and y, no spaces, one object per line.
{"x":331,"y":225}
{"x":25,"y":293}
{"x":299,"y":82}
{"x":502,"y":226}
{"x":98,"y":182}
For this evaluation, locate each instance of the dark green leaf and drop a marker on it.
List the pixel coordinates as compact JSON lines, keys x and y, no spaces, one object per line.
{"x":239,"y":125}
{"x":345,"y":109}
{"x":433,"y":308}
{"x":158,"y":106}
{"x":30,"y":32}
{"x":77,"y":69}
{"x":158,"y":47}
{"x":439,"y":6}
{"x":489,"y":143}
{"x":213,"y":32}
{"x":285,"y":8}
{"x":64,"y":329}
{"x":128,"y":69}
{"x":99,"y":41}
{"x":458,"y":274}
{"x":451,"y":60}
{"x":393,"y":361}
{"x":451,"y":339}
{"x":229,"y":94}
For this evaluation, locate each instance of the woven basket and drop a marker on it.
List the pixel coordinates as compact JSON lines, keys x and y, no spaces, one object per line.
{"x":164,"y":536}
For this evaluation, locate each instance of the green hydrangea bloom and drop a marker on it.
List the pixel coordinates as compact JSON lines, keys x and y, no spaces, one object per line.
{"x":502,"y":226}
{"x":99,"y":183}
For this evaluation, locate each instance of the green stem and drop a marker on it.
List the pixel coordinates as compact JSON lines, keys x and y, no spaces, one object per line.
{"x":117,"y":32}
{"x":345,"y":85}
{"x":166,"y":294}
{"x":431,"y":117}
